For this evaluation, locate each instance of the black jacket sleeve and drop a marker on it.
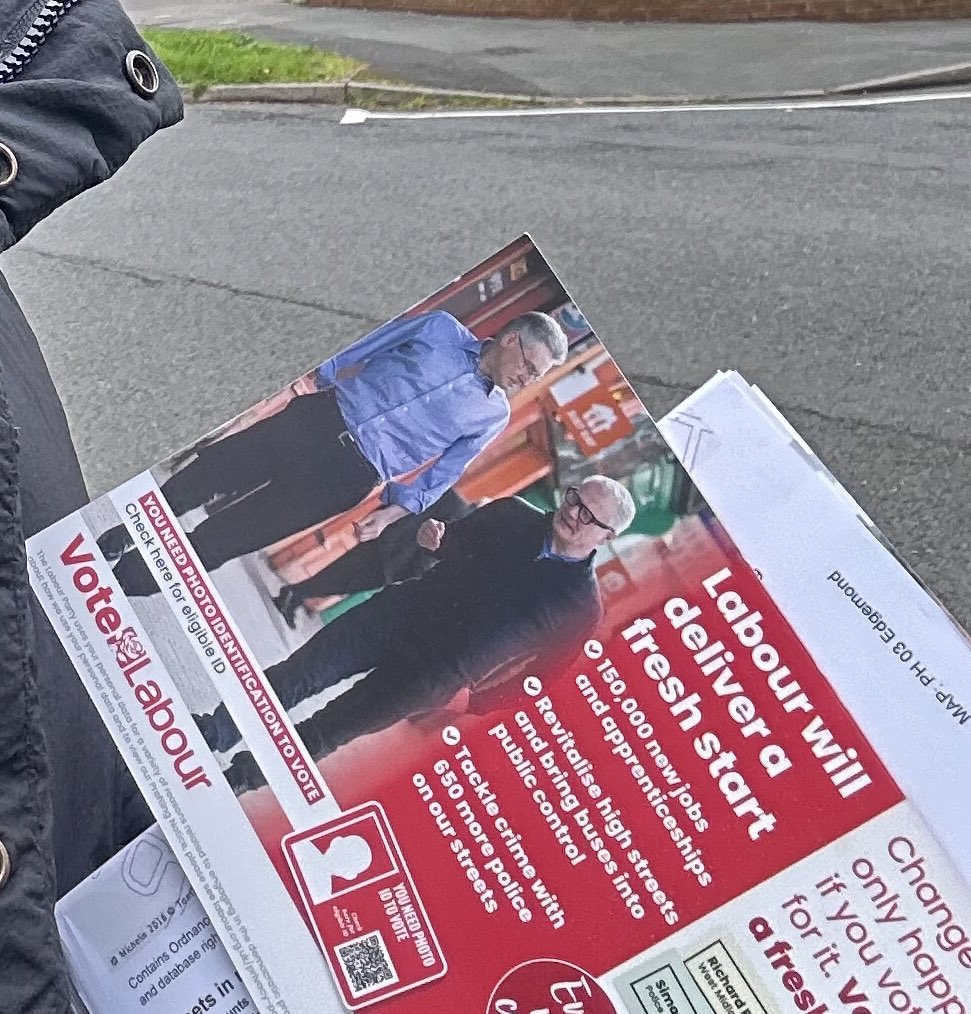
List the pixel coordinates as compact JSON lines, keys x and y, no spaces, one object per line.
{"x":475,"y":532}
{"x":69,"y":117}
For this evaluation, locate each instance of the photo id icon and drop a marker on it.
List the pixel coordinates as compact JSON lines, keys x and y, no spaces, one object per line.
{"x":338,"y":857}
{"x":335,"y":866}
{"x":363,"y":905}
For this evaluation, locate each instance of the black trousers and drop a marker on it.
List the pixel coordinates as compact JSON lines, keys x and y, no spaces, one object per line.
{"x":360,"y":569}
{"x":395,"y":689}
{"x":403,"y":679}
{"x":281,"y":475}
{"x":391,"y":558}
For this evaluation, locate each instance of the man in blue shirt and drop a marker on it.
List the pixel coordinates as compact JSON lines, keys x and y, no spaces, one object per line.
{"x":514,"y":591}
{"x":422,"y":392}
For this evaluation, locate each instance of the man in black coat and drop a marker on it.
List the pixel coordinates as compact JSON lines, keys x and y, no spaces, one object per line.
{"x":514,"y":589}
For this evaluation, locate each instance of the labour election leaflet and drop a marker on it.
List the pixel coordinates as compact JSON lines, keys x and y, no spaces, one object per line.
{"x":436,"y":717}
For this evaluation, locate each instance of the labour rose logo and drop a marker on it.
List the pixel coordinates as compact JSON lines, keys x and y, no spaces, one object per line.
{"x":128,"y":648}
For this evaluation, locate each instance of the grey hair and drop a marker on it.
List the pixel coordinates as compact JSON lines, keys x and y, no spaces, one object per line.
{"x":540,"y":329}
{"x":622,"y":503}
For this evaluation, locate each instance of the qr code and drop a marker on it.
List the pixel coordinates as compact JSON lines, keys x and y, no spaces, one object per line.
{"x":366,"y":963}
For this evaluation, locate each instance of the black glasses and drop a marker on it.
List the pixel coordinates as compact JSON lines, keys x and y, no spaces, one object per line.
{"x":586,"y":516}
{"x":531,"y":370}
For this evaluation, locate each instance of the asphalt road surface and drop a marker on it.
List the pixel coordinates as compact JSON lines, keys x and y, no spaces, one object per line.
{"x":590,"y":58}
{"x":824,"y":254}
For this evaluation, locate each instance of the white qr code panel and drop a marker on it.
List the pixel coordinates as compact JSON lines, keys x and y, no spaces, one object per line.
{"x":366,"y":964}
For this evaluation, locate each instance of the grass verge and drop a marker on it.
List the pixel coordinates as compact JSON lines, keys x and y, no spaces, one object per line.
{"x":199,"y":58}
{"x":364,"y":98}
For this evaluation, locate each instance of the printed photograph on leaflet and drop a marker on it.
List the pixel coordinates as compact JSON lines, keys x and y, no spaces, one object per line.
{"x":475,"y":657}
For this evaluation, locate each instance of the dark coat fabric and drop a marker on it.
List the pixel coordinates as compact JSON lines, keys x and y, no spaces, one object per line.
{"x":491,"y":600}
{"x":72,"y":119}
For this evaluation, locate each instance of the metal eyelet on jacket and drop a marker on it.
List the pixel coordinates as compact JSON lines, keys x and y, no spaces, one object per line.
{"x":9,"y":167}
{"x":141,"y":74}
{"x":4,"y":865}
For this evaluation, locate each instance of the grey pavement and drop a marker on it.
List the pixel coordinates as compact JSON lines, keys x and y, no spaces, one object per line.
{"x":824,"y":254}
{"x":588,"y":59}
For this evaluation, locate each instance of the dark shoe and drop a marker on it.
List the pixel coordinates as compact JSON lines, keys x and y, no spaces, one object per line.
{"x":286,"y":602}
{"x":218,"y":729}
{"x":244,"y":774}
{"x":114,"y":543}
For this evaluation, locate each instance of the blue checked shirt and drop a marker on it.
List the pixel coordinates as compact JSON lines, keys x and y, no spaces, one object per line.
{"x":548,"y":554}
{"x":418,"y":397}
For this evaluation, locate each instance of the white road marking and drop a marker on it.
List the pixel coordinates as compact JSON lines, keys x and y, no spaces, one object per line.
{"x":358,"y":116}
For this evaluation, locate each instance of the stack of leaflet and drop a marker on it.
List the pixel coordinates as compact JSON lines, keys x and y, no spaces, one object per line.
{"x":734,"y":781}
